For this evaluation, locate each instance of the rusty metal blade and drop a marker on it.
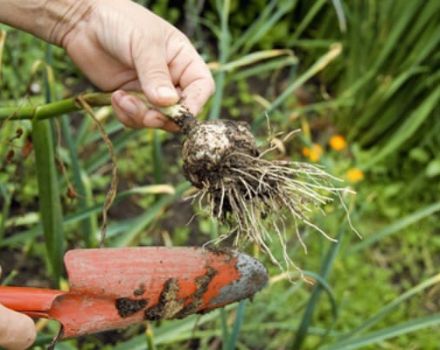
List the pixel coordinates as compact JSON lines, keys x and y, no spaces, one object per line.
{"x":115,"y":287}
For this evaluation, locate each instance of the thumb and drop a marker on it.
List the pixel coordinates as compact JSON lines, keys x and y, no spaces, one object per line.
{"x":17,"y":331}
{"x":153,"y":73}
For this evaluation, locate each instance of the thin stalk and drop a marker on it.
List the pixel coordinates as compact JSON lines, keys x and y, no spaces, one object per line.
{"x":326,"y":267}
{"x":177,"y":113}
{"x":88,"y":225}
{"x":334,"y":51}
{"x":149,"y":337}
{"x":48,"y":190}
{"x":6,"y":195}
{"x":239,"y":318}
{"x":158,"y":160}
{"x":224,"y":44}
{"x":224,"y":328}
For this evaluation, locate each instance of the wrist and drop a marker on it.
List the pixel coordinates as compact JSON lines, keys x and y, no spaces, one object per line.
{"x":50,"y":20}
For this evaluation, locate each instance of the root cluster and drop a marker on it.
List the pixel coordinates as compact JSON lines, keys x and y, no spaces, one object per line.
{"x":256,"y":197}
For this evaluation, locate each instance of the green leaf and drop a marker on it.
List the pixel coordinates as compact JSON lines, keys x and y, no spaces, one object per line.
{"x":387,"y":333}
{"x":239,"y":318}
{"x":48,"y":190}
{"x":322,"y":62}
{"x":384,"y":311}
{"x":407,"y":128}
{"x":396,"y":227}
{"x":326,"y":267}
{"x":49,"y":196}
{"x":142,"y":221}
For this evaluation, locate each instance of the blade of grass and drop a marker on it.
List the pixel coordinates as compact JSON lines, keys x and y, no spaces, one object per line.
{"x":6,"y":195}
{"x":49,"y":195}
{"x":326,"y":267}
{"x":89,"y":224}
{"x":407,"y":128}
{"x":264,"y":67}
{"x":384,"y":311}
{"x":20,"y":237}
{"x":239,"y":318}
{"x":157,"y":156}
{"x":102,"y":156}
{"x":396,"y":227}
{"x":149,"y":337}
{"x":254,"y":27}
{"x":319,"y":65}
{"x":317,"y":6}
{"x":150,"y":215}
{"x":264,"y":28}
{"x":169,"y":332}
{"x":337,"y":4}
{"x":223,"y":46}
{"x":387,"y":333}
{"x":326,"y":288}
{"x":250,"y":59}
{"x":224,"y":327}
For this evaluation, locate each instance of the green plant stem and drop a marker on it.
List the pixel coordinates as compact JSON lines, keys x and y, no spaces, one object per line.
{"x":177,"y":113}
{"x":224,"y":44}
{"x":53,"y":109}
{"x":49,"y":196}
{"x":89,"y":224}
{"x":326,"y":267}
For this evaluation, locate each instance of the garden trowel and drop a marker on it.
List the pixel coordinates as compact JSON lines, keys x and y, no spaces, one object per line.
{"x":115,"y":287}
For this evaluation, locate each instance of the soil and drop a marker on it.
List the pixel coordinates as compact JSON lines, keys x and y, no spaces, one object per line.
{"x":202,"y":283}
{"x":168,"y":304}
{"x":127,"y":307}
{"x":212,"y":153}
{"x":31,"y":271}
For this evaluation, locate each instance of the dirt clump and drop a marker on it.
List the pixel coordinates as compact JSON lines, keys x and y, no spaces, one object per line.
{"x":127,"y":307}
{"x":169,"y":304}
{"x":202,"y":284}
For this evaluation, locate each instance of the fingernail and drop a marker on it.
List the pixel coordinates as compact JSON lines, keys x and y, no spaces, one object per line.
{"x":166,"y":93}
{"x":129,"y":106}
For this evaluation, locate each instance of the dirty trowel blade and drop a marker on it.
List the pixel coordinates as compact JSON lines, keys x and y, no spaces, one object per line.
{"x":115,"y":287}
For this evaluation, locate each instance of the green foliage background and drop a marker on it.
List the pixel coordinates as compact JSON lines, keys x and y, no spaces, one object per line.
{"x":381,"y":93}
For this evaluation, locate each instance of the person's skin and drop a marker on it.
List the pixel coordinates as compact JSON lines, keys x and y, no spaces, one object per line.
{"x":17,"y":331}
{"x":119,"y":45}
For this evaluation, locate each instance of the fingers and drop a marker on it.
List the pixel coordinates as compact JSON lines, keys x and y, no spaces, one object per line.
{"x":153,"y":73}
{"x":195,"y":95}
{"x":190,"y":72}
{"x":133,"y":113}
{"x":17,"y":331}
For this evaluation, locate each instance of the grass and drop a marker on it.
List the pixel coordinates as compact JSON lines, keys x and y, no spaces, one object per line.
{"x":367,"y":70}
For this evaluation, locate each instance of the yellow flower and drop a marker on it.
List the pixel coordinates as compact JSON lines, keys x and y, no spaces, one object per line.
{"x":338,"y":143}
{"x":314,"y":153}
{"x":355,"y":175}
{"x":306,"y":151}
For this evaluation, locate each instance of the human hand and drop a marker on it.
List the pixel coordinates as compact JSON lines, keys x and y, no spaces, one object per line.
{"x":17,"y":331}
{"x":120,"y":45}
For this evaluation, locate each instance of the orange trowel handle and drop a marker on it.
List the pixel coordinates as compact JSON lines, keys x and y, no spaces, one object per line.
{"x":35,"y":302}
